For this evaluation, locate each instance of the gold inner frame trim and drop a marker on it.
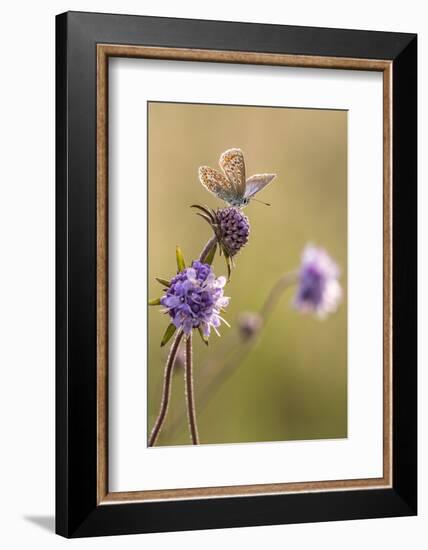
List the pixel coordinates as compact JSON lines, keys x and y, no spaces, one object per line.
{"x":104,"y":51}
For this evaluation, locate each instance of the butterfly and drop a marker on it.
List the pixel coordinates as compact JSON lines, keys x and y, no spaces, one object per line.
{"x":230,"y":184}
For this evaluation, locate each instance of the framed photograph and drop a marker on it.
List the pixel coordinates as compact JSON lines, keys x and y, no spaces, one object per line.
{"x":236,"y":274}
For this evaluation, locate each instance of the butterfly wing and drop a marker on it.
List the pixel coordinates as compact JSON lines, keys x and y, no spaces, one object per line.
{"x":256,"y":183}
{"x":233,"y":165}
{"x":215,"y":182}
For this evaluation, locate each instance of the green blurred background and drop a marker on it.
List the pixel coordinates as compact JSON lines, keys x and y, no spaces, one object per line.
{"x":293,"y":385}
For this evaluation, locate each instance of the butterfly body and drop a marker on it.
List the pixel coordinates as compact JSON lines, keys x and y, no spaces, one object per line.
{"x":230,"y":184}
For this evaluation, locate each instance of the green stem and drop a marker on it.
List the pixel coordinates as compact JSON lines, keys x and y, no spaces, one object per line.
{"x":274,"y":295}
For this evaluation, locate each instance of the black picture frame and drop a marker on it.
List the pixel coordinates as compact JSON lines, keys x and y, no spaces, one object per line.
{"x":77,"y":511}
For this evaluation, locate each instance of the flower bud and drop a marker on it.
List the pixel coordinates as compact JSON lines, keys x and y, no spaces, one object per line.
{"x":233,"y":229}
{"x":249,"y":324}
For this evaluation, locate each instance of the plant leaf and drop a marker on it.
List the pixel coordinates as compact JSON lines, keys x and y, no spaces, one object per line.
{"x":155,"y":302}
{"x":163,"y":282}
{"x":168,"y":334}
{"x":210,"y":256}
{"x":228,"y":264}
{"x":202,"y":335}
{"x":180,"y":259}
{"x":205,"y":217}
{"x":205,"y":210}
{"x":229,"y":269}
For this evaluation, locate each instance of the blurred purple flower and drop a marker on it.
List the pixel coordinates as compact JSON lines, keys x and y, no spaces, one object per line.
{"x":195,"y":299}
{"x":318,"y":290}
{"x":249,"y":324}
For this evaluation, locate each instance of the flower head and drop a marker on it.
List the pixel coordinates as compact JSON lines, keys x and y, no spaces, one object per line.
{"x":233,"y":229}
{"x":195,"y":299}
{"x":318,"y":290}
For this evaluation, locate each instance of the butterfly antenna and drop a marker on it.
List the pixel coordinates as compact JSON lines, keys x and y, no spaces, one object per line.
{"x":265,"y":203}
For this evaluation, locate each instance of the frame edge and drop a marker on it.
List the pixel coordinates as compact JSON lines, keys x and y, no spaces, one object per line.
{"x":405,"y":274}
{"x":99,"y":520}
{"x":61,"y":267}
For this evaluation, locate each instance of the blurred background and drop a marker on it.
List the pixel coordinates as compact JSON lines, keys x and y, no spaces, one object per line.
{"x":293,"y":384}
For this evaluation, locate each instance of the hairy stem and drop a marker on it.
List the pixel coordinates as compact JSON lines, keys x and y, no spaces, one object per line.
{"x":188,"y":377}
{"x":206,"y":250}
{"x":166,"y":393}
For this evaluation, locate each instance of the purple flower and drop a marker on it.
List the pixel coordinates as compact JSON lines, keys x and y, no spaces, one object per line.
{"x":233,"y":229}
{"x":318,"y":290}
{"x":195,"y":298}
